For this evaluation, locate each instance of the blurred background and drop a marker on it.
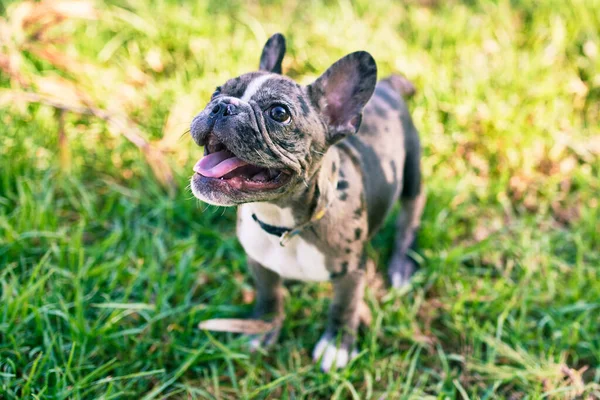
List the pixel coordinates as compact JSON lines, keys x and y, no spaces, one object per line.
{"x":108,"y":263}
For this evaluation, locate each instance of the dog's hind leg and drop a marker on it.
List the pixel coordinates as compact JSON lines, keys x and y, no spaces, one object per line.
{"x":402,"y":266}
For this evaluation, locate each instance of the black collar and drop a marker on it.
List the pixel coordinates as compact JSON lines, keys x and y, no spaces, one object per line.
{"x":271,"y":229}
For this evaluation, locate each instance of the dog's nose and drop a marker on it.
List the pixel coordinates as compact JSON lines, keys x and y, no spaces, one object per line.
{"x":223,"y":109}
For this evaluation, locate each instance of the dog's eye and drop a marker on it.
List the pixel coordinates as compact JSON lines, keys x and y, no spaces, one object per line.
{"x":216,"y":92}
{"x":279,"y":114}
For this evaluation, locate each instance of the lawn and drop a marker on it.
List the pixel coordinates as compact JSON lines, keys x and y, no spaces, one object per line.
{"x":108,"y":263}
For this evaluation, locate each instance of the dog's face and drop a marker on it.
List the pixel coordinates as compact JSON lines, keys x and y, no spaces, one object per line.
{"x":264,"y":135}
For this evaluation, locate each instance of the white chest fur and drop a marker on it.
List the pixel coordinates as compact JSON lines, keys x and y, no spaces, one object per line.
{"x":298,"y":259}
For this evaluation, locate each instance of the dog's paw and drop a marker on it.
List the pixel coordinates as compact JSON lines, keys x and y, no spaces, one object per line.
{"x":262,"y":341}
{"x":400,"y":271}
{"x":330,"y":355}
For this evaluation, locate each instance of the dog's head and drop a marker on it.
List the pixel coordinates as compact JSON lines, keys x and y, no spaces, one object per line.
{"x":264,"y":135}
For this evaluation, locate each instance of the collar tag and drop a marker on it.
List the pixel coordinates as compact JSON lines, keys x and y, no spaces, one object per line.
{"x":287,"y":236}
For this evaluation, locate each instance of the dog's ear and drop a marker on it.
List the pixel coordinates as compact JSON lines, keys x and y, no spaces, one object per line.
{"x":342,"y":91}
{"x":272,"y":54}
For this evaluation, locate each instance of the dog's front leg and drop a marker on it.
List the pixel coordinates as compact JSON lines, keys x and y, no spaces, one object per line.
{"x":337,"y":345}
{"x":269,"y":303}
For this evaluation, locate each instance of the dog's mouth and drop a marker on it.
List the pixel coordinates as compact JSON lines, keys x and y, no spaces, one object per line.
{"x":219,"y":163}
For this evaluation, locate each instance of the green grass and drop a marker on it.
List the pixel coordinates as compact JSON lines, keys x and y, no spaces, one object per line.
{"x":104,"y":275}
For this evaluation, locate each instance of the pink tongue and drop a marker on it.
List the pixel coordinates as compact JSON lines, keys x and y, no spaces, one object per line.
{"x":216,"y":165}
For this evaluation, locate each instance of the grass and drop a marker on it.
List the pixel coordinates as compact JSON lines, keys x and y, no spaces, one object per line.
{"x":105,"y":274}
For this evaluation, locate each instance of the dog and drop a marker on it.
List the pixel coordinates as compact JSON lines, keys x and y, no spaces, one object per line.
{"x":314,"y":171}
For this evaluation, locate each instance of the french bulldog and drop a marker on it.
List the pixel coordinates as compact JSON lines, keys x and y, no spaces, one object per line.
{"x":314,"y":171}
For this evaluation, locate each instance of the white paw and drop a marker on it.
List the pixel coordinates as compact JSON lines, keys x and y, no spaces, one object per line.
{"x":399,"y":281}
{"x":331,"y":355}
{"x":255,"y":344}
{"x":261,"y":341}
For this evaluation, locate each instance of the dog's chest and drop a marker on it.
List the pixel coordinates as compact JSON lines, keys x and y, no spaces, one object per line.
{"x":298,"y":259}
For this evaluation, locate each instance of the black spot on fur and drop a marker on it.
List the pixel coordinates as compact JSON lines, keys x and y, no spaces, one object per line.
{"x":315,"y":199}
{"x":303,"y":106}
{"x":333,"y":167}
{"x":342,"y":185}
{"x":388,"y":97}
{"x":347,"y":250}
{"x":357,"y":233}
{"x":362,"y":265}
{"x":341,"y":273}
{"x":380,"y":111}
{"x":343,"y":196}
{"x":358,"y":212}
{"x":298,"y":133}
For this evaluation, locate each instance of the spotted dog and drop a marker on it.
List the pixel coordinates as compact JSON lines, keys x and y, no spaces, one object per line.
{"x":314,"y":171}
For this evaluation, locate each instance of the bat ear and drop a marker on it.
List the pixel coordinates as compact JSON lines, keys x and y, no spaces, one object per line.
{"x":342,"y":91}
{"x":272,"y":54}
